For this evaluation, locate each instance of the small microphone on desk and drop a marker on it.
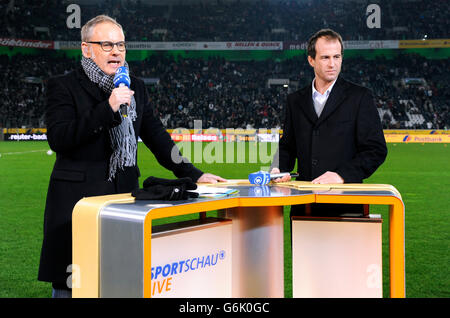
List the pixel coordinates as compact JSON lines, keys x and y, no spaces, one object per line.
{"x":264,"y":177}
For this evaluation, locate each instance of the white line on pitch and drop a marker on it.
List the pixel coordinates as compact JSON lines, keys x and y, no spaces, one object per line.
{"x":20,"y":153}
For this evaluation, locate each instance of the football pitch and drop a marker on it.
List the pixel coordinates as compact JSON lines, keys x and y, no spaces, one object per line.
{"x":419,"y":171}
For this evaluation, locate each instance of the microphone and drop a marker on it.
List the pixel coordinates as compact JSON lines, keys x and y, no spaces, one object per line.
{"x":264,"y":177}
{"x":259,"y":191}
{"x":122,"y":78}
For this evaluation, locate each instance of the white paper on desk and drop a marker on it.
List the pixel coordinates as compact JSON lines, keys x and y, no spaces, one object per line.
{"x":211,"y":192}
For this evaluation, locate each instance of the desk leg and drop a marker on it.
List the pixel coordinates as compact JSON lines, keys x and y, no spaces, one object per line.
{"x":257,"y":245}
{"x":397,"y":250}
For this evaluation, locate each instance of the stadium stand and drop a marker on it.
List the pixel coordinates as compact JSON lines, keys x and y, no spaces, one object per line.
{"x":236,"y":93}
{"x":231,"y":20}
{"x":411,"y":91}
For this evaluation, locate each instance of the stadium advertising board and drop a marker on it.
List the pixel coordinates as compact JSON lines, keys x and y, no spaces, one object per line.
{"x":390,"y":138}
{"x":36,"y":44}
{"x":349,"y":45}
{"x":295,"y":45}
{"x":414,"y":138}
{"x":202,"y":46}
{"x":229,"y":135}
{"x":254,"y":45}
{"x":67,"y":45}
{"x":368,"y":45}
{"x":188,"y":46}
{"x":234,"y":45}
{"x":410,"y":44}
{"x":195,"y":137}
{"x":416,"y":132}
{"x":24,"y":134}
{"x":232,"y":135}
{"x":25,"y":137}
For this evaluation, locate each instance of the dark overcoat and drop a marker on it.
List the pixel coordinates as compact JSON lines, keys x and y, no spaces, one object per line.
{"x":78,"y":119}
{"x":347,"y":138}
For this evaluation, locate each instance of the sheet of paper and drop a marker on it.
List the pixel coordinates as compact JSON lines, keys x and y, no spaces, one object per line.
{"x":212,"y":192}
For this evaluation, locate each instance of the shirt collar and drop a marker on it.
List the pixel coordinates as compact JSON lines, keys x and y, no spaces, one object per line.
{"x":327,"y":92}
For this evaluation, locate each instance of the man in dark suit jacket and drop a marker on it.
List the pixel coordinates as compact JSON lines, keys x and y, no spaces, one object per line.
{"x":95,"y":144}
{"x":332,"y":127}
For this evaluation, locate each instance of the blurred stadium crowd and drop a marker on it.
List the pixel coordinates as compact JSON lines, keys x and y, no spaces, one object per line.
{"x":410,"y":91}
{"x":231,"y":20}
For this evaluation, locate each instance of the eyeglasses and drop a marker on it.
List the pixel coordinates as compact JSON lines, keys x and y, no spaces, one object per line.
{"x":107,"y":46}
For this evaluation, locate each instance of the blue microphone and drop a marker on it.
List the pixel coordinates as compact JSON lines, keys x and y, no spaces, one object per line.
{"x":259,"y":191}
{"x":122,"y":78}
{"x":264,"y":177}
{"x":259,"y":178}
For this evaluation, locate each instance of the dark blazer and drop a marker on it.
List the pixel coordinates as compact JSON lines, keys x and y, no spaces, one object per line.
{"x":347,"y":138}
{"x":78,"y":118}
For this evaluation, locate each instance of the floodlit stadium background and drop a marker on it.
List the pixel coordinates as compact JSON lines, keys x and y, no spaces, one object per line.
{"x":231,"y":64}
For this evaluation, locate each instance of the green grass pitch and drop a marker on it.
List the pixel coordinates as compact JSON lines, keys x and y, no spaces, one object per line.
{"x":419,"y":171}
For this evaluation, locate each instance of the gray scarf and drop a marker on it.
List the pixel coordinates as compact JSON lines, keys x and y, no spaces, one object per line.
{"x":123,"y":139}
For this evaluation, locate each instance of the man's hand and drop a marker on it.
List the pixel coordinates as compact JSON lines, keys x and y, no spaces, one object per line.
{"x":285,"y":178}
{"x":119,"y":96}
{"x":328,"y":177}
{"x":210,"y":178}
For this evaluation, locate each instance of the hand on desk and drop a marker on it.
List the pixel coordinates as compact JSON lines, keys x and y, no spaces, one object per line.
{"x":328,"y":177}
{"x":210,"y":178}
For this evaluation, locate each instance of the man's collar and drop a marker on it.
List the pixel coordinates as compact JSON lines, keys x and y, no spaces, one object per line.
{"x":327,"y":92}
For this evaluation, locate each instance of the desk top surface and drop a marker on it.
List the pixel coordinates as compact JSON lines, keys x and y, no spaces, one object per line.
{"x":249,"y":195}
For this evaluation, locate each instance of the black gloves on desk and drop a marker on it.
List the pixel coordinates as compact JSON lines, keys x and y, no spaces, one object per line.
{"x":165,"y":189}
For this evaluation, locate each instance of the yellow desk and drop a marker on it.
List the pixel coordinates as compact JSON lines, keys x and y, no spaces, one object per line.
{"x":254,"y":208}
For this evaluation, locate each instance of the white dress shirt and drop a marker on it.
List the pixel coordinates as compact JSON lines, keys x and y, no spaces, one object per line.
{"x":319,"y":100}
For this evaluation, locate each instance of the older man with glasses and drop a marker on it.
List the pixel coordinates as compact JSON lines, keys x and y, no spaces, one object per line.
{"x":96,"y":148}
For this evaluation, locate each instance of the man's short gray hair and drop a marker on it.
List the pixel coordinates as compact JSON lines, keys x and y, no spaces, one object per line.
{"x":86,"y":30}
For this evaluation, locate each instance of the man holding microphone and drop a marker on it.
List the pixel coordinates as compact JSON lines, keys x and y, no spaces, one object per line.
{"x":96,"y":147}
